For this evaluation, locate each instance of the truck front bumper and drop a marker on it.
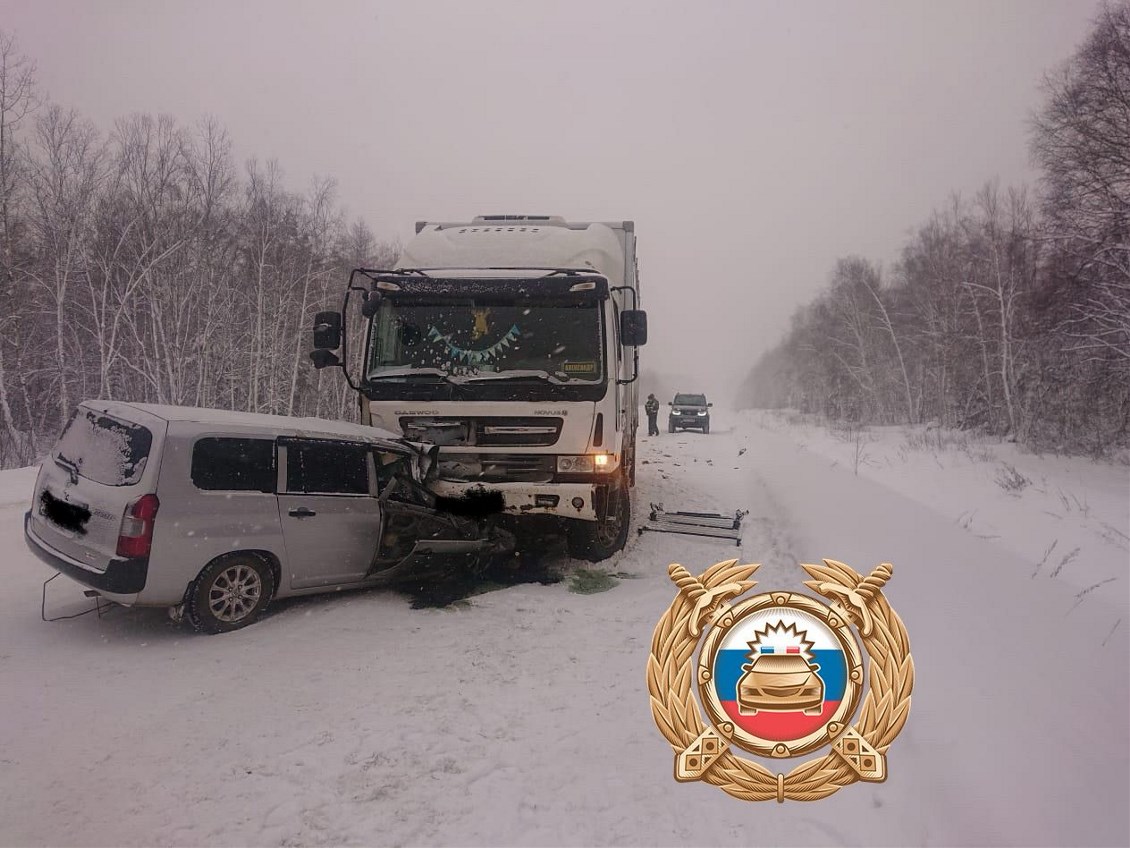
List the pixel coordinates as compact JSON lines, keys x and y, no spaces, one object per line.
{"x":565,"y":500}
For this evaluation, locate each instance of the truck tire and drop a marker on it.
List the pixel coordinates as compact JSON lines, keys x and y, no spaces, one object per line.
{"x":231,"y":592}
{"x":598,"y":540}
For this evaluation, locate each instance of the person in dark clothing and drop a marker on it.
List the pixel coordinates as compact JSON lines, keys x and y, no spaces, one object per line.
{"x":652,"y":410}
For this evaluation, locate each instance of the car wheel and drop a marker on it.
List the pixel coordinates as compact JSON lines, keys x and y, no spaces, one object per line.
{"x":706,"y":428}
{"x":230,"y":593}
{"x":670,"y":427}
{"x":598,"y":540}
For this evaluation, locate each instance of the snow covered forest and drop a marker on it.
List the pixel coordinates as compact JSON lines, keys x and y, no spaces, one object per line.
{"x":1008,"y":312}
{"x":144,"y":263}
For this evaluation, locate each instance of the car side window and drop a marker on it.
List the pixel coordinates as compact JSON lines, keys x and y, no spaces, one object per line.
{"x":388,"y":463}
{"x":234,"y":465}
{"x":326,"y":468}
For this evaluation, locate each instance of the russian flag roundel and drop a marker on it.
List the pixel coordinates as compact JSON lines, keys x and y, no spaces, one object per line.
{"x":787,"y":674}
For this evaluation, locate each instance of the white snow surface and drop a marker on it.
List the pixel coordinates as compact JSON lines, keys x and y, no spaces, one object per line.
{"x":522,"y":718}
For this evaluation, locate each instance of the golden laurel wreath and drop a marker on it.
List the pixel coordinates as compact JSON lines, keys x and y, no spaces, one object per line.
{"x":701,"y":602}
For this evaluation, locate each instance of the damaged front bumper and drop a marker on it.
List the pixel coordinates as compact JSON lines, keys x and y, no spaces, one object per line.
{"x":565,"y":500}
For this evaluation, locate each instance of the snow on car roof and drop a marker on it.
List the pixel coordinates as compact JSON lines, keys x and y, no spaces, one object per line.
{"x":282,"y":424}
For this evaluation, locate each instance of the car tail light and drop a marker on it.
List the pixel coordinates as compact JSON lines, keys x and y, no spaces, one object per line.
{"x":135,"y":539}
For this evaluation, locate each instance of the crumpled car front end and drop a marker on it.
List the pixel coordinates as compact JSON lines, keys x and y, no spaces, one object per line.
{"x":428,"y":534}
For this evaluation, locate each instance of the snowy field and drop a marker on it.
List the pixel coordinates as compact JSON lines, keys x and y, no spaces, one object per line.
{"x":522,"y":717}
{"x":1065,"y":515}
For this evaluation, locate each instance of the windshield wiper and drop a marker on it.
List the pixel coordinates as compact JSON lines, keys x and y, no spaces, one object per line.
{"x":432,"y":375}
{"x":68,"y":465}
{"x":516,"y":376}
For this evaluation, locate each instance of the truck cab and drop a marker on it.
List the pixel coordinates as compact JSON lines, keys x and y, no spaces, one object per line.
{"x":511,"y":342}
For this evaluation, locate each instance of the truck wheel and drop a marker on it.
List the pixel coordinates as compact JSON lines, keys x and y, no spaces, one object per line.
{"x":230,"y":593}
{"x":598,"y":540}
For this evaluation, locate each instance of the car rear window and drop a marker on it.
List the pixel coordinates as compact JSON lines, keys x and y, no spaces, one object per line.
{"x":328,"y":468}
{"x":234,"y":465}
{"x":103,"y":448}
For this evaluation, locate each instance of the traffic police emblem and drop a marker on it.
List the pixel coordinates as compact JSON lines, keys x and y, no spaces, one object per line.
{"x":780,"y":675}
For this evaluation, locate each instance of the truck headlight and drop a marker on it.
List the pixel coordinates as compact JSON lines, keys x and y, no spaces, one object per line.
{"x":586,"y":464}
{"x":574,"y":465}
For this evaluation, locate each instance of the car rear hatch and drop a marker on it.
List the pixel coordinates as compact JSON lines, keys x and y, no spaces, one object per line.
{"x":105,"y":460}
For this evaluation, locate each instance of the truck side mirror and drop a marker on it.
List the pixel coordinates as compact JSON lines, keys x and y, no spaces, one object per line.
{"x":633,"y":327}
{"x":324,"y":359}
{"x":327,"y":331}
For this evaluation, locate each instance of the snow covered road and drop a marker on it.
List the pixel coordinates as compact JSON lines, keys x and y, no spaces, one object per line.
{"x":522,"y":717}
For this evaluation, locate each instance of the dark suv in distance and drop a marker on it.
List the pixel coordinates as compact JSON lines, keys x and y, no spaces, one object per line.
{"x":689,"y":412}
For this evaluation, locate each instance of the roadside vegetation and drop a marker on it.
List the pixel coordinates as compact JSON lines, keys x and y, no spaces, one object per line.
{"x":144,"y":263}
{"x":1009,"y":312}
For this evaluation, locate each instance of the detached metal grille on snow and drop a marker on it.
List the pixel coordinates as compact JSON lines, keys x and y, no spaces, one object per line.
{"x":713,"y":524}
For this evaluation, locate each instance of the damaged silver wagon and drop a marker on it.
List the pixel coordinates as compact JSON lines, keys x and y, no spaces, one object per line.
{"x":213,"y":513}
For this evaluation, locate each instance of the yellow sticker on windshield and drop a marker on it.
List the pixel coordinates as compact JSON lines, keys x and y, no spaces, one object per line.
{"x":580,"y":367}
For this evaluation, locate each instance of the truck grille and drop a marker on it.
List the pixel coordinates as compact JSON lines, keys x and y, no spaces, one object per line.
{"x":492,"y":432}
{"x":496,"y":467}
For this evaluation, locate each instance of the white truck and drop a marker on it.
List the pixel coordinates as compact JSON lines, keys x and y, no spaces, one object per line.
{"x":512,"y":343}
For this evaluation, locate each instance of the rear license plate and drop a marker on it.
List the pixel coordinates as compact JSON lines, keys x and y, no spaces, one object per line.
{"x":68,"y":516}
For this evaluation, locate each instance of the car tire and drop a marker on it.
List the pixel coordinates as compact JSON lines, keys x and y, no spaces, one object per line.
{"x":706,"y":428}
{"x":595,"y":541}
{"x":670,"y":427}
{"x":230,"y":593}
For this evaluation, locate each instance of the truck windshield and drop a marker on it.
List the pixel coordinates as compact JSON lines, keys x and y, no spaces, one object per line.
{"x":488,"y":339}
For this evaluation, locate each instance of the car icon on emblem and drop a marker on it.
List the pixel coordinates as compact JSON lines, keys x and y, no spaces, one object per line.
{"x":780,"y":683}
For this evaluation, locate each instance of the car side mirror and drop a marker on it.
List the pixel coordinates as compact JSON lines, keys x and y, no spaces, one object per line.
{"x":324,"y":359}
{"x":710,"y":404}
{"x":633,"y":327}
{"x":327,"y":331}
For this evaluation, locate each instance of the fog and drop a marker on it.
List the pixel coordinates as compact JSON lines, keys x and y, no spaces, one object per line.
{"x":752,"y":143}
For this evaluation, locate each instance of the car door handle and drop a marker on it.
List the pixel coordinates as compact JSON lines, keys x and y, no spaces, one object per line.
{"x":302,"y":512}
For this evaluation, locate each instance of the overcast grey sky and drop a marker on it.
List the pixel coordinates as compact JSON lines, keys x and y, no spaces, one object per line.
{"x":752,"y":142}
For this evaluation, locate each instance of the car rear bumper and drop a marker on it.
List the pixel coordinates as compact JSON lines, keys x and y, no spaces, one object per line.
{"x":122,"y":580}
